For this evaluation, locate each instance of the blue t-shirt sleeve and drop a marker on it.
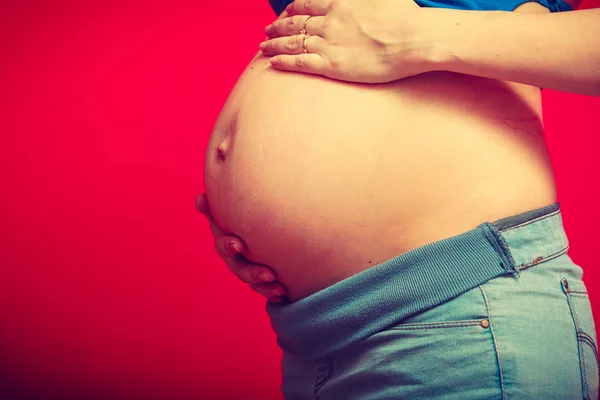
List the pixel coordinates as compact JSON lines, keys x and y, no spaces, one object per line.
{"x":505,"y":5}
{"x":279,"y":5}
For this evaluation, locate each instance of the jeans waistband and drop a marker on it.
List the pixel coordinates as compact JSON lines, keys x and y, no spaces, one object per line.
{"x":368,"y":302}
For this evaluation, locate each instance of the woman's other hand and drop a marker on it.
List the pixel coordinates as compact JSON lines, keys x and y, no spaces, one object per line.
{"x":352,"y":40}
{"x":262,"y":279}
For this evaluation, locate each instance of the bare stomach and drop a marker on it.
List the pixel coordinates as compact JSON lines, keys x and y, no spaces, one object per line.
{"x":323,"y":179}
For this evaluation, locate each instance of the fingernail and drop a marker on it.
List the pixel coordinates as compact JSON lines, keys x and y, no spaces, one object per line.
{"x":262,"y":45}
{"x":267,"y":276}
{"x":277,"y":292}
{"x":235,"y":247}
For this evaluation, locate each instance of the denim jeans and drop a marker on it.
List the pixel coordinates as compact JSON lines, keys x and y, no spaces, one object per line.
{"x":498,"y":312}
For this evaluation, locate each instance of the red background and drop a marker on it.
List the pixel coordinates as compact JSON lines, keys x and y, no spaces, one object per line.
{"x":109,"y":286}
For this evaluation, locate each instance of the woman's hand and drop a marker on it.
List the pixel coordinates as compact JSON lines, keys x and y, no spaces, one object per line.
{"x":352,"y":40}
{"x":262,"y":279}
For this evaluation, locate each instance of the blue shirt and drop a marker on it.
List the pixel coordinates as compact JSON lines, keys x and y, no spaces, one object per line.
{"x":500,"y":5}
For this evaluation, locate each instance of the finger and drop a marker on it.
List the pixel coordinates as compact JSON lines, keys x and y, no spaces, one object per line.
{"x":229,"y":246}
{"x":308,"y":7}
{"x":286,"y":26}
{"x":269,"y":290}
{"x":307,"y":63}
{"x":250,"y":273}
{"x":284,"y":14}
{"x":202,"y":206}
{"x":284,"y":45}
{"x":293,"y":26}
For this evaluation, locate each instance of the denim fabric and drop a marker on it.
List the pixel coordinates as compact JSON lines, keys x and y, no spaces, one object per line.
{"x":497,"y":312}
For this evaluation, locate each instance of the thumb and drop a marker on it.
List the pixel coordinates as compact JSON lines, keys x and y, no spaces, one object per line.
{"x":202,"y":206}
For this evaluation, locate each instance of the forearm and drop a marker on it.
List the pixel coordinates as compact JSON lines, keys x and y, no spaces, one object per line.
{"x":558,"y":51}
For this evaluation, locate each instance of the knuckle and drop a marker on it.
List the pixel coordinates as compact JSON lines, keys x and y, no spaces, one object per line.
{"x":329,"y":23}
{"x":292,"y":43}
{"x":336,"y":63}
{"x":300,"y":63}
{"x":308,"y":5}
{"x":334,"y":5}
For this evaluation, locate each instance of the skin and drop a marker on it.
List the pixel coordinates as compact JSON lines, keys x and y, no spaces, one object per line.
{"x":352,"y":41}
{"x":355,"y":41}
{"x":375,"y":42}
{"x":261,"y":279}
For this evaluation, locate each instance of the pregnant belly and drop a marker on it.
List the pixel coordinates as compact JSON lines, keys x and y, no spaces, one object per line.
{"x":323,"y":179}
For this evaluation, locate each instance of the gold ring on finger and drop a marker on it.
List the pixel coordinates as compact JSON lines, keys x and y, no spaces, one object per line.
{"x":303,"y":30}
{"x":305,"y":42}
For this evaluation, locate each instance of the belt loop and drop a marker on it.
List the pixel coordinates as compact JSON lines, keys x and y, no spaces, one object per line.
{"x":494,"y":236}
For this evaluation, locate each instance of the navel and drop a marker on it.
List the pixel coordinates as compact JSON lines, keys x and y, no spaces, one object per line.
{"x":223,"y":148}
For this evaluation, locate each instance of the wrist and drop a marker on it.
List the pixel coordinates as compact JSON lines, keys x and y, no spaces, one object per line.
{"x":424,"y":45}
{"x":459,"y":40}
{"x":440,"y":44}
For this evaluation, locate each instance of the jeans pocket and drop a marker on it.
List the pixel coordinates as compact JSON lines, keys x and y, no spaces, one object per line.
{"x":468,"y":309}
{"x":446,"y":352}
{"x":581,"y":312}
